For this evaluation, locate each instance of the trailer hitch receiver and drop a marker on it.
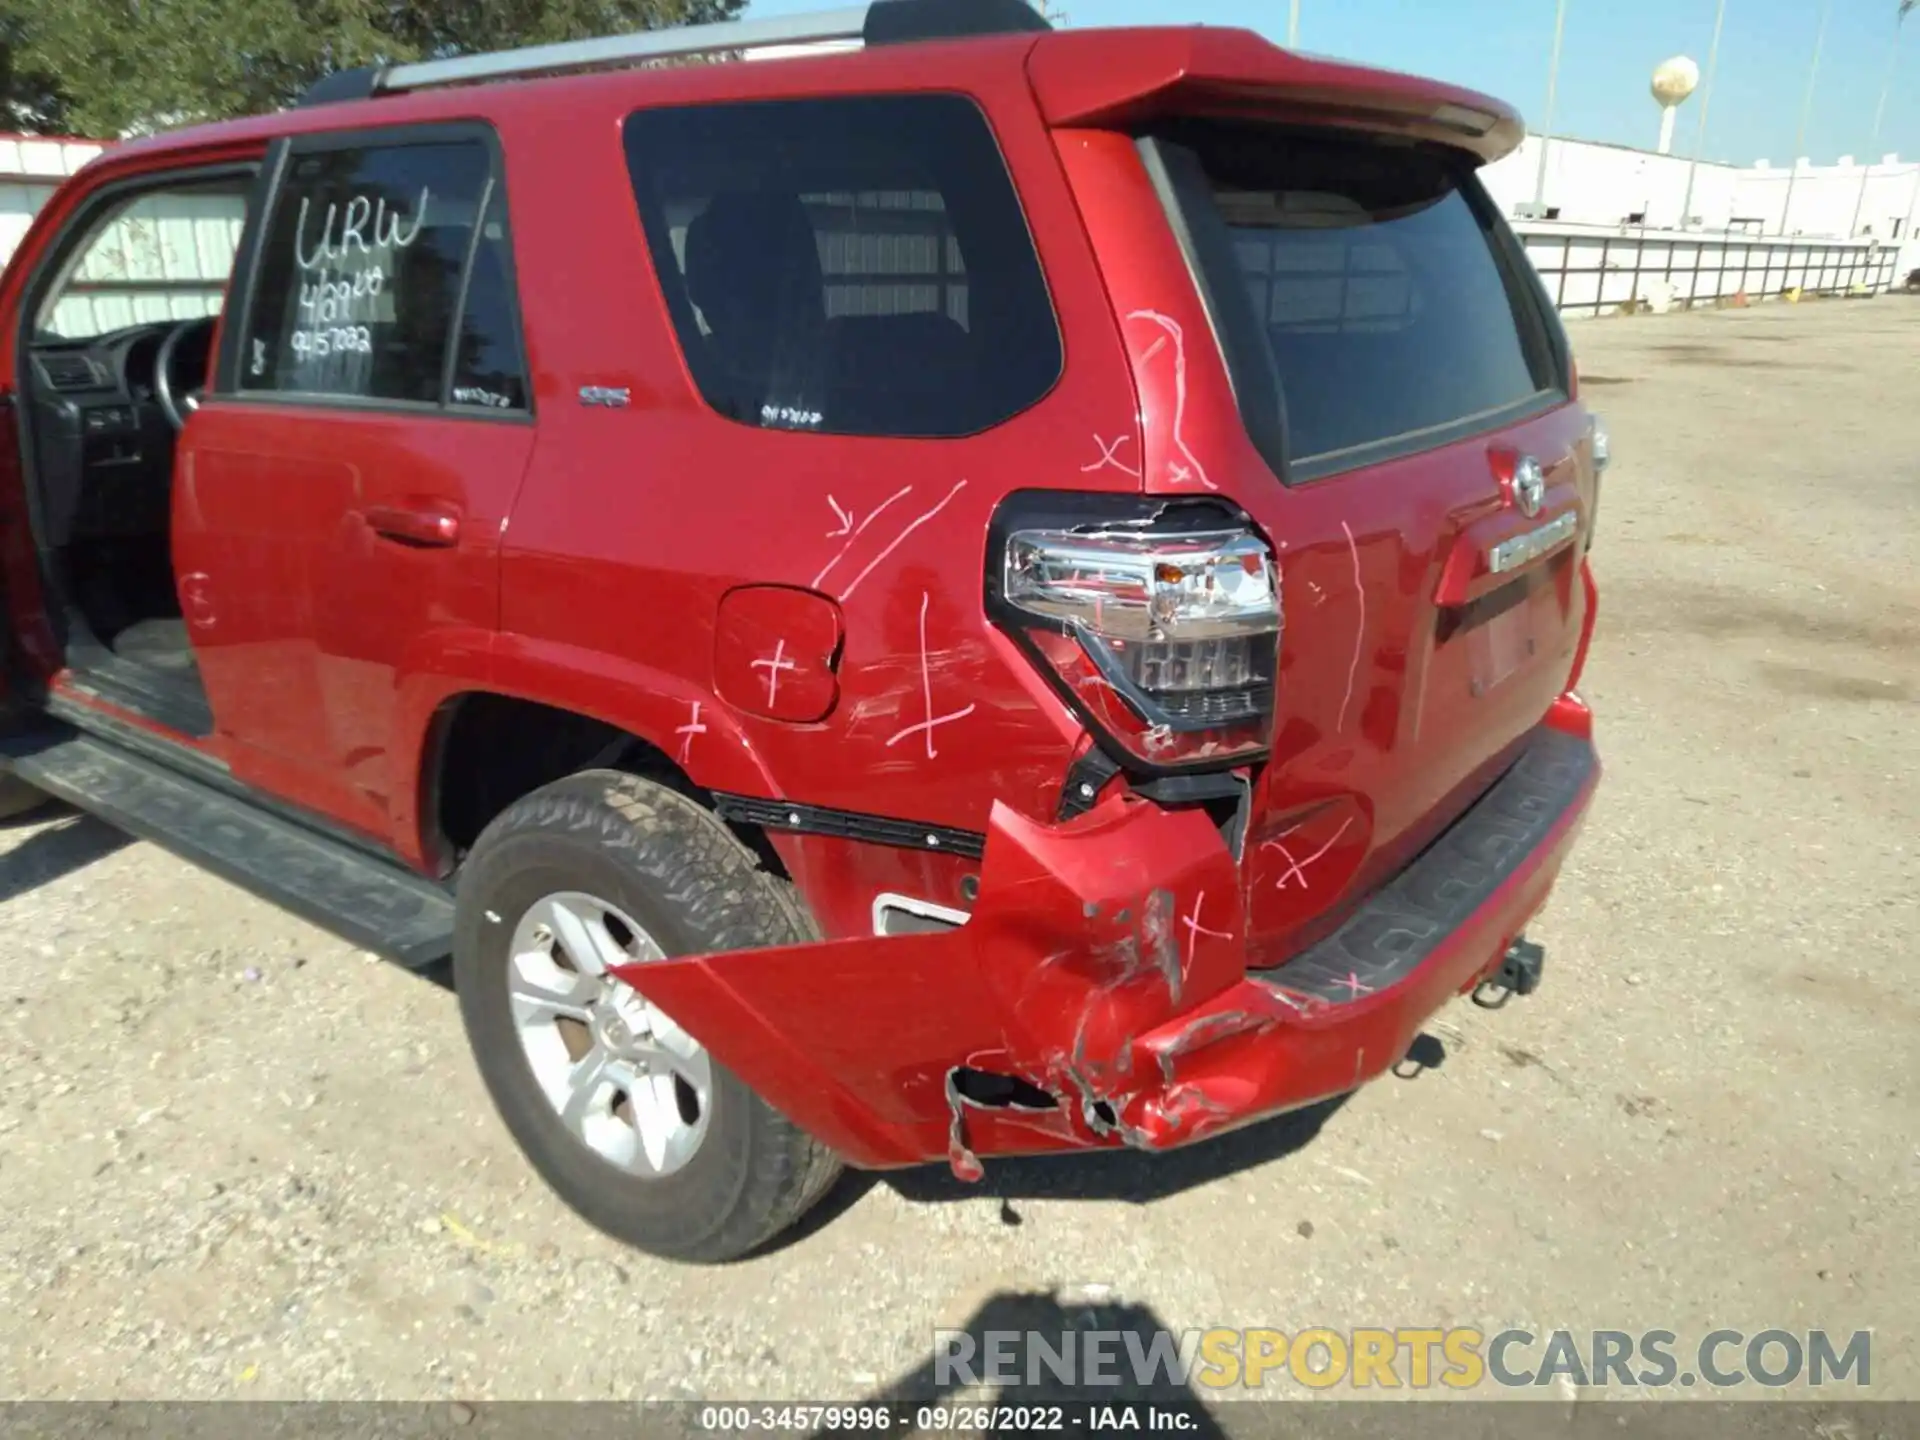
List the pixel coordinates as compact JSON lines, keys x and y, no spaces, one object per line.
{"x":1518,"y":974}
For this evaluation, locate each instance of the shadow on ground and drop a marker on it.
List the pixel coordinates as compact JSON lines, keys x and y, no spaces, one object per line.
{"x":1129,"y":1175}
{"x":71,"y":842}
{"x":1056,"y":1396}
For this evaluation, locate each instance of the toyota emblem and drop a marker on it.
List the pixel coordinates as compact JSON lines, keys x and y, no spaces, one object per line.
{"x":1529,"y":486}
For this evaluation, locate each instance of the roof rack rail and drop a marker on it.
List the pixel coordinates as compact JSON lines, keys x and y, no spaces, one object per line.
{"x":880,"y":22}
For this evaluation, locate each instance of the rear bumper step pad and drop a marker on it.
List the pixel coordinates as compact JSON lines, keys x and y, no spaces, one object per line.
{"x":1402,"y":923}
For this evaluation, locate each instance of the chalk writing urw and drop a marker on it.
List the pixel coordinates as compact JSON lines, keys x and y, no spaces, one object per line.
{"x":390,"y":232}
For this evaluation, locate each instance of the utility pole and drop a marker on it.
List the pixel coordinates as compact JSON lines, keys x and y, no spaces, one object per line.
{"x":1293,"y":25}
{"x":1806,"y":113}
{"x":1546,"y":125}
{"x":1706,"y":95}
{"x":1879,"y":113}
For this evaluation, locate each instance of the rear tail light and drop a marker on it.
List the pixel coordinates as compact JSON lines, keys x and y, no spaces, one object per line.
{"x":1163,"y":629}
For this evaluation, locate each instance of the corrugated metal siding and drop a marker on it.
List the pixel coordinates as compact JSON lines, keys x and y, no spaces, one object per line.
{"x":32,"y":156}
{"x":20,"y":201}
{"x":881,"y":253}
{"x":889,"y":252}
{"x":31,"y":169}
{"x":164,"y":258}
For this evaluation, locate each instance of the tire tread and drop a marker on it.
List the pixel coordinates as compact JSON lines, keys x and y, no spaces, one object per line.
{"x":687,"y":857}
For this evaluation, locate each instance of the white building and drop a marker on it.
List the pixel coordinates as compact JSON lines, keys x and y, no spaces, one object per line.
{"x":1594,"y":184}
{"x":31,"y":168}
{"x":1620,"y":188}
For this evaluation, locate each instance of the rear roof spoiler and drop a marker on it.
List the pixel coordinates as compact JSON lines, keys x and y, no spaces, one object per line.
{"x":1124,"y":76}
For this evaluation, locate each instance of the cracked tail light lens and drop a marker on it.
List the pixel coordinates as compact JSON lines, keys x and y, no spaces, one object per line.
{"x":1172,"y":640}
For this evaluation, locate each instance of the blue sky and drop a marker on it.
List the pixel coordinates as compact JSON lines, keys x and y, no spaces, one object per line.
{"x":1610,"y":49}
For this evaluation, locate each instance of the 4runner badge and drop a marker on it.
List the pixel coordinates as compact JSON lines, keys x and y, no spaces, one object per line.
{"x":1529,"y":486}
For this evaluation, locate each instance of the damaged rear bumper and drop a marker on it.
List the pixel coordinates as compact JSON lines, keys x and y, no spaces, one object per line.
{"x":1105,"y":965}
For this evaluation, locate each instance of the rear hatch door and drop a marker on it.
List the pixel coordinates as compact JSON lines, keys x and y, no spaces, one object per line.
{"x":1369,"y":368}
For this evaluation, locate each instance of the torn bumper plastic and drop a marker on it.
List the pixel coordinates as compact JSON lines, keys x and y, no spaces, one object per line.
{"x":1106,"y":965}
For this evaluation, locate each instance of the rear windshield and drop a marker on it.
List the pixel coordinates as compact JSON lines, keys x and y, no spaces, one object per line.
{"x":1367,"y":300}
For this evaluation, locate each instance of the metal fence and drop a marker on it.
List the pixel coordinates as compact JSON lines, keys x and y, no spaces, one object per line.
{"x":1596,"y":272}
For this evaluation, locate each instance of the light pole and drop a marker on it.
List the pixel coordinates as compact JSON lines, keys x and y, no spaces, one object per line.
{"x":1879,"y":113}
{"x":1806,"y":113}
{"x":1706,"y":95}
{"x":1546,"y":126}
{"x":1293,"y":25}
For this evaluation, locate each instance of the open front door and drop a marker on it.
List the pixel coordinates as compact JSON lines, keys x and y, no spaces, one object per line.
{"x":26,"y":643}
{"x":107,"y":319}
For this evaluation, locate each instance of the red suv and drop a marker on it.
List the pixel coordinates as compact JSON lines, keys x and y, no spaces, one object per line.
{"x":969,"y":591}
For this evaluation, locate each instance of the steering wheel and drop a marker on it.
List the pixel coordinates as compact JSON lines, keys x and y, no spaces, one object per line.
{"x":177,"y":400}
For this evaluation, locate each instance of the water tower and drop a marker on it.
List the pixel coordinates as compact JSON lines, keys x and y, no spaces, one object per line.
{"x":1673,"y":81}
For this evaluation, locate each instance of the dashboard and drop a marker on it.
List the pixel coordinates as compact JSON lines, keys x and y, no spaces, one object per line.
{"x":103,"y":445}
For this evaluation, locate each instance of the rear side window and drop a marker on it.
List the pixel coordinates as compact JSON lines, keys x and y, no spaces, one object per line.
{"x":487,"y":368}
{"x":1372,"y":290}
{"x":383,"y":277}
{"x":853,"y":266}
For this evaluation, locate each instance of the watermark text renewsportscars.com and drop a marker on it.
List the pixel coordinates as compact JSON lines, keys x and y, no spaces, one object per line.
{"x":1404,"y":1357}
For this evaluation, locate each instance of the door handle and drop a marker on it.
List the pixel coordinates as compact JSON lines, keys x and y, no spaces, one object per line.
{"x":424,"y":525}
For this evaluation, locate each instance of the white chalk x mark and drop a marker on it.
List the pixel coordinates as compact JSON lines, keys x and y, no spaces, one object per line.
{"x":1195,"y":929}
{"x":1109,"y":456}
{"x":692,"y":728}
{"x":1297,"y":869}
{"x":773,"y":665}
{"x":928,"y":725}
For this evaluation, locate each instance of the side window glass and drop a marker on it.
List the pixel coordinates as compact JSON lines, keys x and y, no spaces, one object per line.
{"x":487,"y":369}
{"x":360,"y":271}
{"x":164,"y":255}
{"x":852,"y":266}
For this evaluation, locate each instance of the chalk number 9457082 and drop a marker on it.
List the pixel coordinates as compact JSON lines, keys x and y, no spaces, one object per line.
{"x":318,"y":343}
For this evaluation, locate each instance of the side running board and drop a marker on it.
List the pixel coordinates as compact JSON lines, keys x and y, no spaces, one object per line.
{"x":376,"y":905}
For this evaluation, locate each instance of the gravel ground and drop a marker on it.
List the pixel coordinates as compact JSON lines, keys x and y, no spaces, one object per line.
{"x":240,"y":1160}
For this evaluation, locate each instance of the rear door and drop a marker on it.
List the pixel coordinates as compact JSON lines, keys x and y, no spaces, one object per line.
{"x":1340,"y":334}
{"x":345,"y":487}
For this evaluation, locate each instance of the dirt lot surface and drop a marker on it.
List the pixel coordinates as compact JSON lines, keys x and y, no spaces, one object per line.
{"x":239,"y":1159}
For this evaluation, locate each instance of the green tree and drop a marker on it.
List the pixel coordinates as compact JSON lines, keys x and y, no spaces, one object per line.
{"x":30,"y":100}
{"x":113,"y":67}
{"x":450,"y":27}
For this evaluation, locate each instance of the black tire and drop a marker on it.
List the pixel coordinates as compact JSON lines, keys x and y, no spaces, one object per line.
{"x":19,"y":799}
{"x":682,"y":875}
